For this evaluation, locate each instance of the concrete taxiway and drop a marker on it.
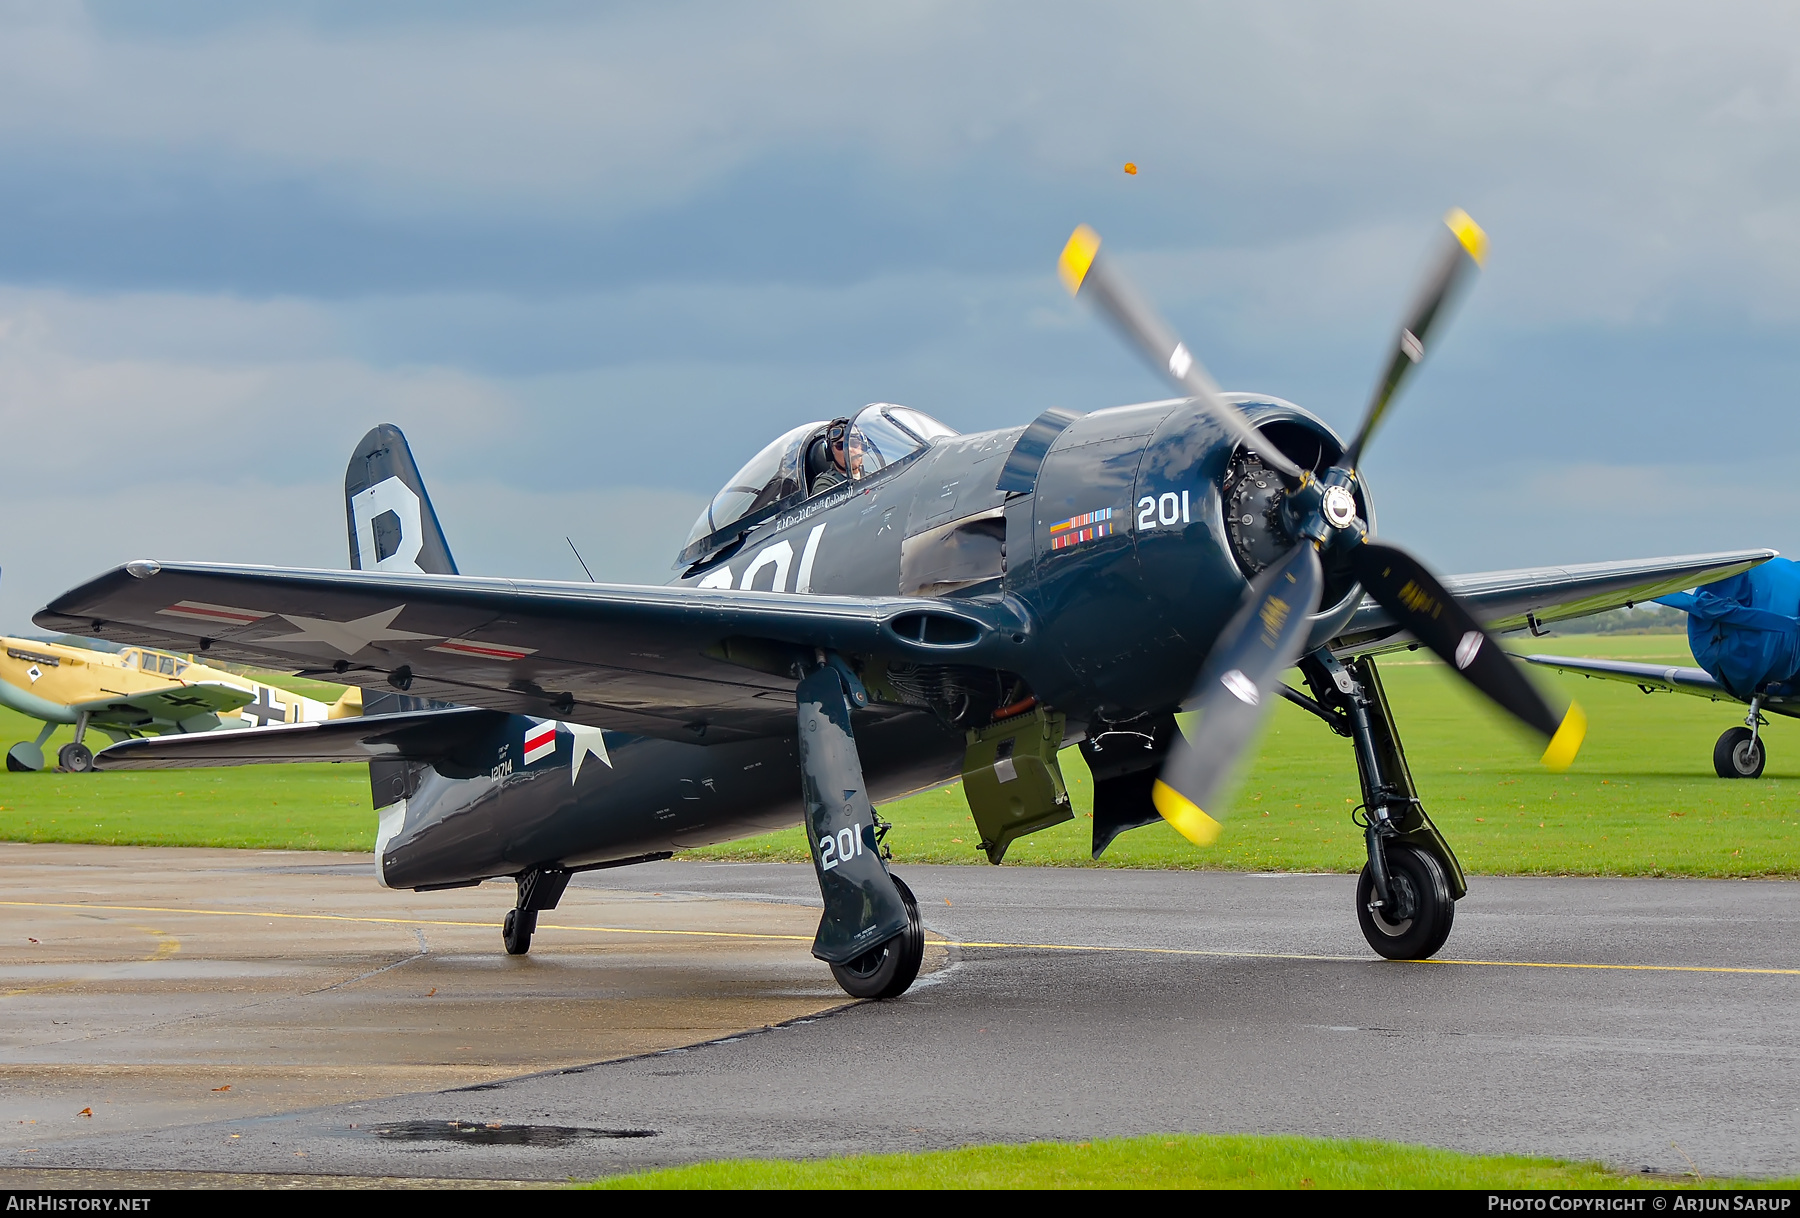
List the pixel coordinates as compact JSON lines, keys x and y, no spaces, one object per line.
{"x":1640,"y":1022}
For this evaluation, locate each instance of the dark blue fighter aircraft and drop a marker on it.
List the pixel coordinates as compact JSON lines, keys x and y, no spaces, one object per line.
{"x":1745,"y":632}
{"x":876,"y":605}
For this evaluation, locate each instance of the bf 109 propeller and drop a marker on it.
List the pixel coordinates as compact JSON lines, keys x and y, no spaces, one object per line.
{"x":1269,"y":631}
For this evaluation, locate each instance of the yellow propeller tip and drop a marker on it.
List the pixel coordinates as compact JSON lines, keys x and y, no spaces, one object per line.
{"x":1185,"y":815}
{"x":1077,"y":257}
{"x":1469,"y":233}
{"x":1567,"y":741}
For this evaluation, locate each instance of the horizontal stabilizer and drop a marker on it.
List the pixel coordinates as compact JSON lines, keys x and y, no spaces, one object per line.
{"x":428,"y":736}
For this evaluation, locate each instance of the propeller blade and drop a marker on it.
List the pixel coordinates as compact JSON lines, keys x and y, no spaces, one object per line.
{"x":1084,"y":270}
{"x":1437,"y":619}
{"x":1465,"y":251}
{"x":1262,"y":641}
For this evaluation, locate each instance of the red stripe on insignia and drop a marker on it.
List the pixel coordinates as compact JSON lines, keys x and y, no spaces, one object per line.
{"x":212,"y":613}
{"x":487,"y":651}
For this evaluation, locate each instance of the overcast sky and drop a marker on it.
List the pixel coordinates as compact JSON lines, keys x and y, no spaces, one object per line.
{"x":589,"y":259}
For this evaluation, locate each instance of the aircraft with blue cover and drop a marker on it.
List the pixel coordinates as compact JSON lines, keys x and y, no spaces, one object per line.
{"x":1745,"y":633}
{"x":876,"y":605}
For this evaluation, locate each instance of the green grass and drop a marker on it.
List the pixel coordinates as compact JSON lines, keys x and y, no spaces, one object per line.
{"x":1641,"y":800}
{"x":289,"y":807}
{"x":1164,"y":1161}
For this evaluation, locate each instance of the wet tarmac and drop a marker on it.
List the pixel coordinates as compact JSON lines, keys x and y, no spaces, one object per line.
{"x":1648,"y":1024}
{"x":149,"y":988}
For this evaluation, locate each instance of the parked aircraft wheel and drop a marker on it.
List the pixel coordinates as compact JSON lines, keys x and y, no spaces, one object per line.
{"x":887,"y":971}
{"x":516,"y":931}
{"x":1419,"y":919}
{"x":1738,"y":756}
{"x":24,"y":758}
{"x":75,"y":758}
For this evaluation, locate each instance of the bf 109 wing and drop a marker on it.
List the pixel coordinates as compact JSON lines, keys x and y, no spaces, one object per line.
{"x":1510,"y":600}
{"x":690,"y":664}
{"x":174,"y":703}
{"x":430,"y":735}
{"x":1648,"y":677}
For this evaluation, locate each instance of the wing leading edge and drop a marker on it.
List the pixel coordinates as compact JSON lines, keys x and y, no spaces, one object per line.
{"x":680,"y":663}
{"x":1510,"y":600}
{"x":1647,"y":677}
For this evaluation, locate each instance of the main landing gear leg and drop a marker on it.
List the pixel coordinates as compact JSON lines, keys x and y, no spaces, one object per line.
{"x":1406,"y":896}
{"x":1740,"y":752}
{"x":870,"y":933}
{"x":539,"y":888}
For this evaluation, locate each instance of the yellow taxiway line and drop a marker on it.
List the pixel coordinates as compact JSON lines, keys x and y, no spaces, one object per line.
{"x":1034,"y":947}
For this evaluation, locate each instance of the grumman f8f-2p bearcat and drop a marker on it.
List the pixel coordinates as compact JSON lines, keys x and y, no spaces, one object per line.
{"x":876,"y":605}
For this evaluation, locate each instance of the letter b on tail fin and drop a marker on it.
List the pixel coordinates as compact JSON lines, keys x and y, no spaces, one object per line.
{"x":392,"y":524}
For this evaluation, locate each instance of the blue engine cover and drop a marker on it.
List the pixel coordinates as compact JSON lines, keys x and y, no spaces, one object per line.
{"x":1745,"y":631}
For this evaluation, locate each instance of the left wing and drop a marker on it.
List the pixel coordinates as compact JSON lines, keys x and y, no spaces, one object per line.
{"x":429,"y":735}
{"x":1647,"y":677}
{"x":689,"y":664}
{"x":1510,"y":600}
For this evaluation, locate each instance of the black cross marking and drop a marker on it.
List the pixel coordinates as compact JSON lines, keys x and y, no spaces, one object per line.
{"x":265,"y":709}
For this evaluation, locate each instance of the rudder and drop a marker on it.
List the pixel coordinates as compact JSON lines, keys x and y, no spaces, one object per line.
{"x":393,"y":526}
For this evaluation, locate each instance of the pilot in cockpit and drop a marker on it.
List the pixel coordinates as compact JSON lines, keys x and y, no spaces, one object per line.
{"x":834,"y":458}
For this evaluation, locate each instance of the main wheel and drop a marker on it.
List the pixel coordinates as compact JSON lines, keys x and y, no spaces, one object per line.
{"x":887,"y":971}
{"x":75,"y":758}
{"x":24,"y":758}
{"x":1416,"y":923}
{"x":1739,"y":755}
{"x":515,"y":932}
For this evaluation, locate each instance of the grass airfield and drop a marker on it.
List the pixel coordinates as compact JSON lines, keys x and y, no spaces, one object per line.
{"x":1640,"y":800}
{"x":1186,"y":1161}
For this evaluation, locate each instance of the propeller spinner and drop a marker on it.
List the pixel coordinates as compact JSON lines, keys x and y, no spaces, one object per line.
{"x":1267,"y":634}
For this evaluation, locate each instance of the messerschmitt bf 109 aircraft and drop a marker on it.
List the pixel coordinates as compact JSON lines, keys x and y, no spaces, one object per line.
{"x":875,"y":605}
{"x":1745,"y":632}
{"x":134,"y":692}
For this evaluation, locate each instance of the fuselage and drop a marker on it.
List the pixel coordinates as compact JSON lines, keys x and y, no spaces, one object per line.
{"x":1120,"y":554}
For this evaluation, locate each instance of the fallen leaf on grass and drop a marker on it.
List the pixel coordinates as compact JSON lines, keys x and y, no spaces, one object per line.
{"x":226,"y":1087}
{"x":86,"y":1112}
{"x":433,"y":993}
{"x":29,"y":939}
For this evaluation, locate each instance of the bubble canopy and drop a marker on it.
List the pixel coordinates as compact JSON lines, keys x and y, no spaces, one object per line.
{"x":880,"y":435}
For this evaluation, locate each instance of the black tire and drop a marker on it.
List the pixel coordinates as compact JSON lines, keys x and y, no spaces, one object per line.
{"x":1738,"y":756}
{"x":515,"y":932}
{"x":1415,"y":879}
{"x":887,"y":971}
{"x":74,"y":758}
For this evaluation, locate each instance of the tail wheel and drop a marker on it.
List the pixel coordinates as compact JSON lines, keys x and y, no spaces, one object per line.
{"x":1739,"y":755}
{"x":1415,"y":923}
{"x":887,"y":971}
{"x":515,"y":932}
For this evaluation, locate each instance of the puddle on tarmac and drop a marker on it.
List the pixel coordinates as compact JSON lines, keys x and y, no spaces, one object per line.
{"x":497,"y":1134}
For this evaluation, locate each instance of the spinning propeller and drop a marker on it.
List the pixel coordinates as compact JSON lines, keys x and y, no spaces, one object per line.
{"x":1266,"y":635}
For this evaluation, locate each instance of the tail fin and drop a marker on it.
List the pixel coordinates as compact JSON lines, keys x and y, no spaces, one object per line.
{"x":392,"y":524}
